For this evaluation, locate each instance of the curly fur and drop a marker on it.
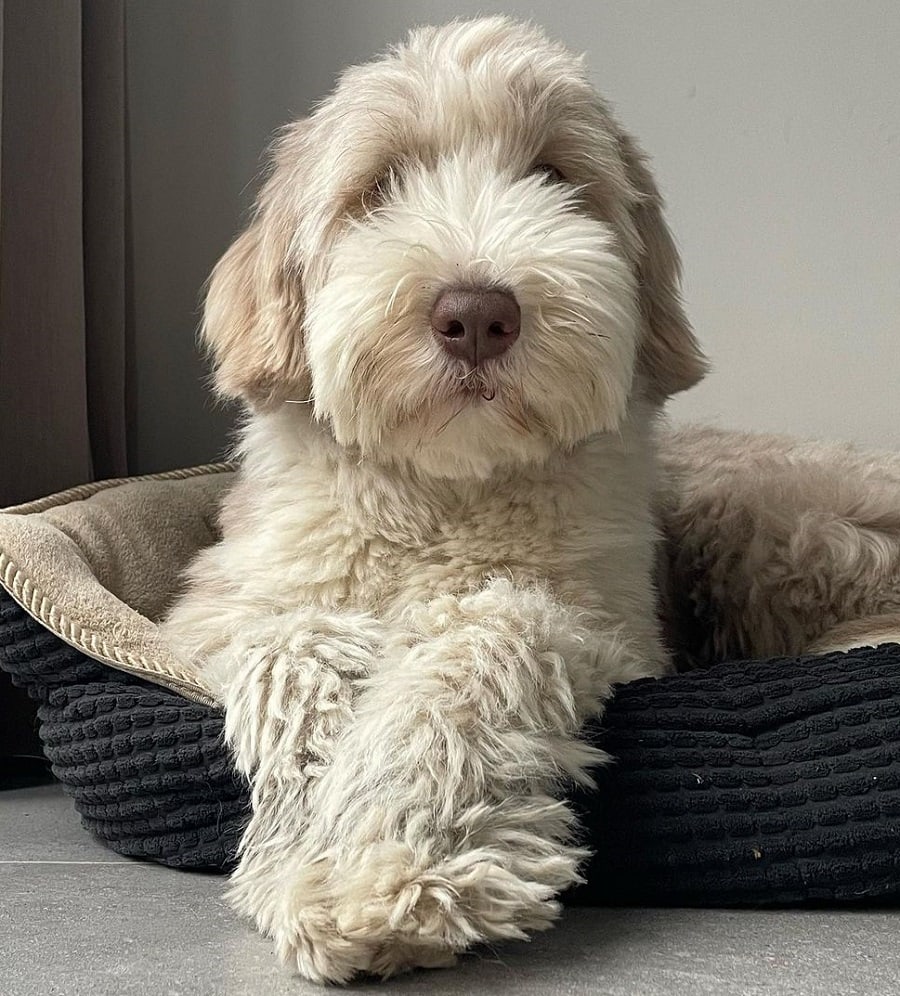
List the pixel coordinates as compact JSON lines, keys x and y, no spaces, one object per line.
{"x":429,"y":576}
{"x":776,"y":546}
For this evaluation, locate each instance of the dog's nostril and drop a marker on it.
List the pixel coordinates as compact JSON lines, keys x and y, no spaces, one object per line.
{"x":475,"y":325}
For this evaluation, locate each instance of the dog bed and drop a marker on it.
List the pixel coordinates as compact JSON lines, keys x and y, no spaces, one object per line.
{"x":766,"y":783}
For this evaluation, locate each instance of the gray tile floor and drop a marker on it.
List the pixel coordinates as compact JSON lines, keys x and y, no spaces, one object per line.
{"x":77,"y":920}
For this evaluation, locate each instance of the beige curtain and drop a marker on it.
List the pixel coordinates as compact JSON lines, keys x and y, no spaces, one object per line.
{"x":64,"y":372}
{"x":64,"y":345}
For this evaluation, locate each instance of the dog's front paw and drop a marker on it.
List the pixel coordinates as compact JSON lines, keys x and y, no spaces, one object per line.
{"x":318,"y":933}
{"x":419,"y":904}
{"x":308,"y":940}
{"x":389,"y":906}
{"x":291,"y":902}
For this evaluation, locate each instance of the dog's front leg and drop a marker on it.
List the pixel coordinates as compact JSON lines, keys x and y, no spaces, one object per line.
{"x":438,"y":825}
{"x":287,"y":680}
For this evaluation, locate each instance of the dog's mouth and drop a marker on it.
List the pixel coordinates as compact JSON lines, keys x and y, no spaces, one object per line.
{"x":466,"y":391}
{"x":475,"y":386}
{"x":478,"y":392}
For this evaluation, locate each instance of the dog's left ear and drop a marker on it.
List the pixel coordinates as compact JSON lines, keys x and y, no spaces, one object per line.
{"x":253,"y":314}
{"x":669,"y":355}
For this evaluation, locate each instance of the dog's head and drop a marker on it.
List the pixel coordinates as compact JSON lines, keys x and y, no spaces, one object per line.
{"x":460,"y":259}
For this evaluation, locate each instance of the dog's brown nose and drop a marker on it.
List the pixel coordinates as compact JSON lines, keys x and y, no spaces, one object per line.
{"x":475,"y":325}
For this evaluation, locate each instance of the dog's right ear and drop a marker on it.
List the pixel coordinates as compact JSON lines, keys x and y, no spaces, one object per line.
{"x":253,"y":314}
{"x":669,"y":355}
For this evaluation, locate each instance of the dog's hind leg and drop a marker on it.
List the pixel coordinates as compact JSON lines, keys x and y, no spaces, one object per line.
{"x":777,"y":546}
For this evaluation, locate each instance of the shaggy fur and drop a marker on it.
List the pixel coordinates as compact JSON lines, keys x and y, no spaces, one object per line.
{"x":430,"y":575}
{"x":776,"y":546}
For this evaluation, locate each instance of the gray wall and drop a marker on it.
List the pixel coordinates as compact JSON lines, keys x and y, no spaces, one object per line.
{"x":774,"y":127}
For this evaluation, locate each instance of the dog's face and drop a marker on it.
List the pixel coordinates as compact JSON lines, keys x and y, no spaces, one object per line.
{"x":459,"y":258}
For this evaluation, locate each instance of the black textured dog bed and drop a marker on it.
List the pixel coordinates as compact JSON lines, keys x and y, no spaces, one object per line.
{"x":763,"y":783}
{"x":147,"y":769}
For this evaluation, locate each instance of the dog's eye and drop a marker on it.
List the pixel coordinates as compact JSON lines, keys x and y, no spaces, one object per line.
{"x":373,"y":193}
{"x":379,"y":188}
{"x":549,"y":172}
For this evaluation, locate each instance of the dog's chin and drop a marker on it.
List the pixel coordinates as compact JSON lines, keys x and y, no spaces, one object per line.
{"x":473,"y":440}
{"x":474,"y":433}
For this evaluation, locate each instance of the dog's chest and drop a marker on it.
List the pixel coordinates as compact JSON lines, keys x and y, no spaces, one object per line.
{"x":586,"y":535}
{"x":512,"y":538}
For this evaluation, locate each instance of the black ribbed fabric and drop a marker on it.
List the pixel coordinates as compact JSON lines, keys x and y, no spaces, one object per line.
{"x":752,"y":783}
{"x":146,"y":768}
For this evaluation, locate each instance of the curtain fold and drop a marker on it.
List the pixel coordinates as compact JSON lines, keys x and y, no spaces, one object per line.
{"x":104,"y":234}
{"x":63,"y":314}
{"x":64,"y":317}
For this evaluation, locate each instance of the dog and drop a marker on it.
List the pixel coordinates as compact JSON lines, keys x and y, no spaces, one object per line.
{"x":453,"y":321}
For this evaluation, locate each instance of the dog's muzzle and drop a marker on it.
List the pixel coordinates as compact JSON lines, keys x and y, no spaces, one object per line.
{"x":474,"y":324}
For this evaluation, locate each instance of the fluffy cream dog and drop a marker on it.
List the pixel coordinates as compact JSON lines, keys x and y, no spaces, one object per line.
{"x":453,"y":320}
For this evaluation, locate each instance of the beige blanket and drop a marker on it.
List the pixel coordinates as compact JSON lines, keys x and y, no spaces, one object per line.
{"x":99,"y":564}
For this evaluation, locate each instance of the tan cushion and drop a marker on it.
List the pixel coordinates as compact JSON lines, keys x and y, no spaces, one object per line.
{"x":99,"y":564}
